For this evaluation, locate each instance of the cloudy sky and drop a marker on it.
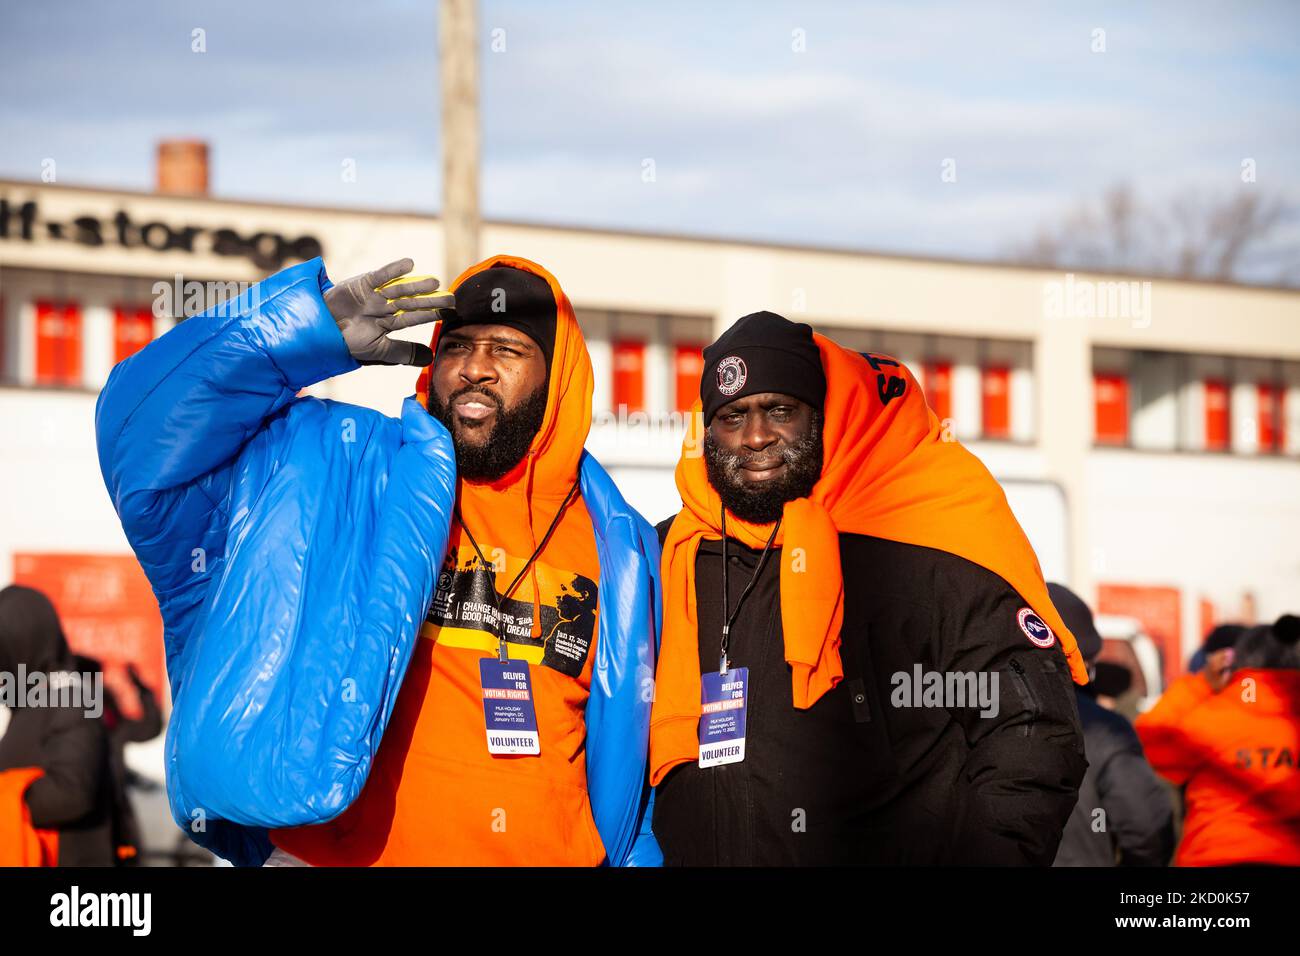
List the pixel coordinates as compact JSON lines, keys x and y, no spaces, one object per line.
{"x":841,"y":142}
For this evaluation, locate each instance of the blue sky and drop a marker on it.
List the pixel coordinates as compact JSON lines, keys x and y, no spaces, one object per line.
{"x":840,"y":145}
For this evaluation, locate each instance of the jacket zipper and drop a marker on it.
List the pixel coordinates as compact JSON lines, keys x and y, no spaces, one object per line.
{"x":1028,"y":696}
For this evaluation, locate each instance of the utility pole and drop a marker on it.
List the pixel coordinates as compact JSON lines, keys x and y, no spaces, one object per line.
{"x":458,"y":63}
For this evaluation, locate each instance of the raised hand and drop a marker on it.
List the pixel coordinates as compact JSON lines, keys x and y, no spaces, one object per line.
{"x":366,"y":315}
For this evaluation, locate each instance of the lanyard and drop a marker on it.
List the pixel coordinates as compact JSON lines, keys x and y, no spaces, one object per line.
{"x":730,"y":618}
{"x":502,"y":655}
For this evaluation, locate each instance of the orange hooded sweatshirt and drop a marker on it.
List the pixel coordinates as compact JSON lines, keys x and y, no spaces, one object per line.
{"x":1238,"y":753}
{"x":21,"y":844}
{"x":887,"y":472}
{"x":435,"y":795}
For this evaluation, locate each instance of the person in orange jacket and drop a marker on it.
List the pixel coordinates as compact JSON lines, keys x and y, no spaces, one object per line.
{"x":1237,"y":752}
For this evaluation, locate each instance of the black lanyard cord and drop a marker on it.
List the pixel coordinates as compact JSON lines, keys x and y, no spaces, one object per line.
{"x":498,"y":598}
{"x":729,"y":618}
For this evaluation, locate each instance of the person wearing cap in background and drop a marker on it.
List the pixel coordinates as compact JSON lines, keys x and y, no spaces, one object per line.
{"x":835,"y":556}
{"x":1236,"y":752}
{"x":432,"y":637}
{"x":1123,"y":817}
{"x":1215,"y":656}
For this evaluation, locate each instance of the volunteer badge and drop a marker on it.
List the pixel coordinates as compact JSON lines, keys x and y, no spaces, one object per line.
{"x":508,"y":707}
{"x":722,"y":716}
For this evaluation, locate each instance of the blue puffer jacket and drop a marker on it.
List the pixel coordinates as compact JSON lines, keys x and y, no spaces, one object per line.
{"x":293,"y":545}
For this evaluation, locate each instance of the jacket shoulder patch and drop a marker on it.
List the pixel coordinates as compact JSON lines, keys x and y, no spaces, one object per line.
{"x":1035,"y":628}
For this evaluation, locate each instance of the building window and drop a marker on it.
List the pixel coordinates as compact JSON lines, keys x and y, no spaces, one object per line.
{"x":132,"y":330}
{"x":58,"y":343}
{"x":995,"y":389}
{"x":1272,"y":417}
{"x":1174,"y":401}
{"x":629,"y":375}
{"x":938,"y":388}
{"x":1110,"y":408}
{"x":1218,"y":419}
{"x":688,"y":366}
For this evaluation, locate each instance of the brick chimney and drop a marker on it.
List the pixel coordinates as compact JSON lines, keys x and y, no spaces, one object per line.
{"x":183,"y":167}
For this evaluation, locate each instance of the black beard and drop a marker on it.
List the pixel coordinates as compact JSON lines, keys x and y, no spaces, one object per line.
{"x":763,"y":504}
{"x":506,"y":444}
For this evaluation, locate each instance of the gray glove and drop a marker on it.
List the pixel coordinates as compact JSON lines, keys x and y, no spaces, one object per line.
{"x":365,"y":315}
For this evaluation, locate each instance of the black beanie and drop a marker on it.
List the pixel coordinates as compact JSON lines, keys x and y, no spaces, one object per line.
{"x":762,"y":352}
{"x":504,"y":295}
{"x":1222,"y":637}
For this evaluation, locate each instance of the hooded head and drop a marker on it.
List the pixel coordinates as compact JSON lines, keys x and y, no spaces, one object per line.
{"x":541,"y":466}
{"x":30,"y":633}
{"x":511,"y":378}
{"x":507,"y":296}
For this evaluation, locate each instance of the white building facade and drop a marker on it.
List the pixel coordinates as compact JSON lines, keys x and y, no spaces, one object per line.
{"x":1147,"y":433}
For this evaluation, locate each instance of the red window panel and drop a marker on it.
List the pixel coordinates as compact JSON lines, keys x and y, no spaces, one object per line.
{"x":132,"y":331}
{"x":1272,"y":422}
{"x":1159,"y":609}
{"x":58,"y":343}
{"x":1110,"y":408}
{"x":629,"y":376}
{"x":688,"y":366}
{"x":938,"y":388}
{"x":996,"y":394}
{"x":1208,"y":617}
{"x":1218,"y":419}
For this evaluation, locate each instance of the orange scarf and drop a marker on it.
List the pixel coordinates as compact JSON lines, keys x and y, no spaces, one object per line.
{"x":886,"y":472}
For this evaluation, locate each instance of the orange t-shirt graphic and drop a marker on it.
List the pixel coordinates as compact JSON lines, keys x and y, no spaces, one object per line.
{"x":463,"y":609}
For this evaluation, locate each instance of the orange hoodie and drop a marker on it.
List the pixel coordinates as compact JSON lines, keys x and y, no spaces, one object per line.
{"x":888,"y":472}
{"x":1238,"y":753}
{"x":435,"y":796}
{"x":22,"y":844}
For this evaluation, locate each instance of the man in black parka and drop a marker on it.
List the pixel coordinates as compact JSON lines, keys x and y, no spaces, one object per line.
{"x":876,"y":770}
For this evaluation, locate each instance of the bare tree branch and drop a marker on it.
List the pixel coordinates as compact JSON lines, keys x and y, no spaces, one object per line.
{"x":1194,"y":236}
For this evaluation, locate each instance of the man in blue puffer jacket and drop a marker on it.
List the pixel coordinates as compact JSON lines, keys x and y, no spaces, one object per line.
{"x":418,"y":641}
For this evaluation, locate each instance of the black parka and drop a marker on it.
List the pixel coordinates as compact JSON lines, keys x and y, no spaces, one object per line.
{"x":862,"y":776}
